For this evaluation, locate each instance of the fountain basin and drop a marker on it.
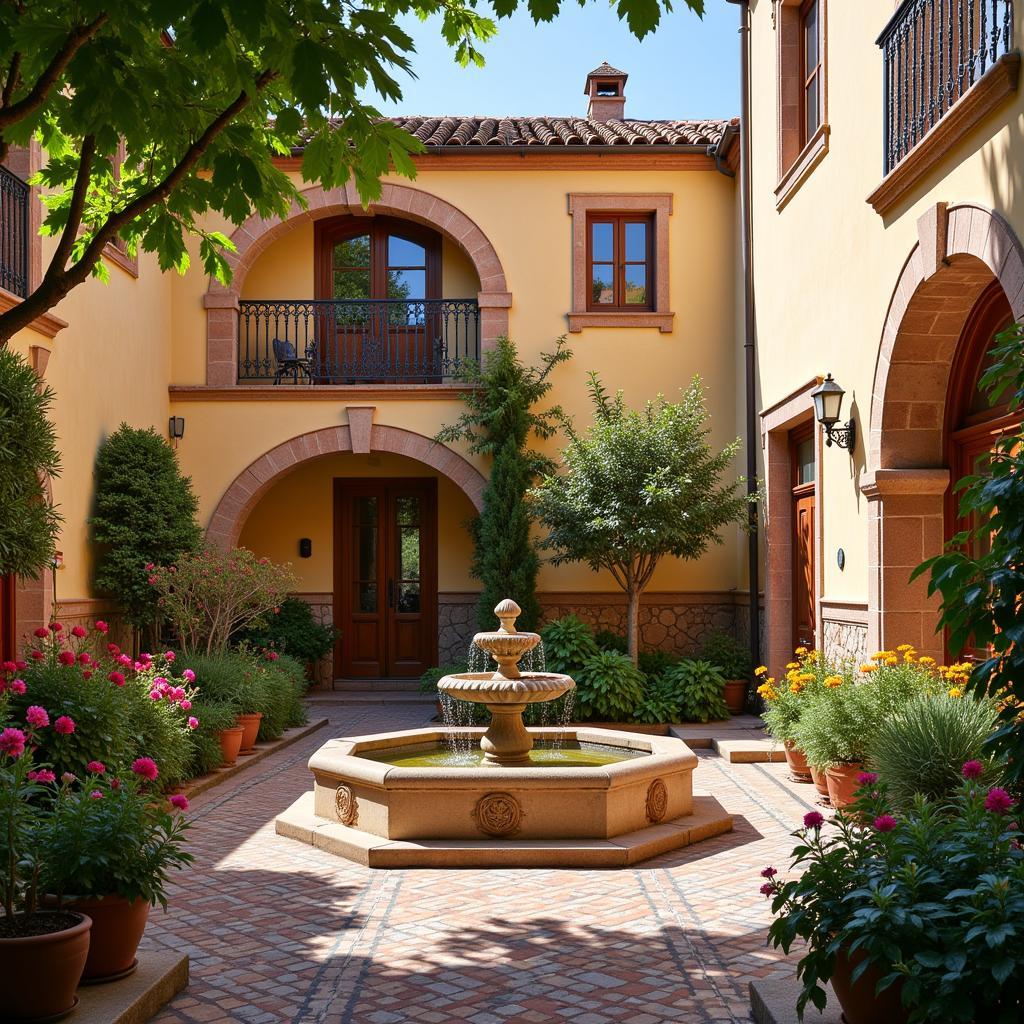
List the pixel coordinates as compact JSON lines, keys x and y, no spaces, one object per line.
{"x":485,"y":688}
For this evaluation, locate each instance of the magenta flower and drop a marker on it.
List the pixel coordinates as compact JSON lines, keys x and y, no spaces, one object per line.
{"x":69,"y":777}
{"x":867,"y":779}
{"x":885,"y":823}
{"x":193,"y":722}
{"x":185,"y":704}
{"x":113,"y":649}
{"x":123,"y":659}
{"x":188,"y":675}
{"x":145,"y":767}
{"x":812,"y":819}
{"x":169,"y":656}
{"x":96,"y":767}
{"x":41,"y":632}
{"x":180,"y":801}
{"x":42,"y":775}
{"x":56,"y":627}
{"x":96,"y":794}
{"x":972,"y":770}
{"x":37,"y":717}
{"x":18,"y":686}
{"x":64,"y":725}
{"x":102,"y":627}
{"x":155,"y":695}
{"x":66,"y":657}
{"x":12,"y":742}
{"x":85,"y":658}
{"x":117,"y":678}
{"x":769,"y":872}
{"x":19,"y":664}
{"x":78,"y":631}
{"x":37,"y":655}
{"x":115,"y":783}
{"x":8,"y":666}
{"x":767,"y":889}
{"x":998,"y":801}
{"x":87,"y":673}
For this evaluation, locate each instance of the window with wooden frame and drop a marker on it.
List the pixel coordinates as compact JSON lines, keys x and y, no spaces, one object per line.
{"x":116,"y":250}
{"x":620,"y":261}
{"x":810,"y":70}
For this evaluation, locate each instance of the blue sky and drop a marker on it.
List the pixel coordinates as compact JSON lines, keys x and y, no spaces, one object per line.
{"x":688,"y":68}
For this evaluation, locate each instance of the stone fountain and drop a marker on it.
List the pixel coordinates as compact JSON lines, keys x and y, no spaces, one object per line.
{"x":507,"y":795}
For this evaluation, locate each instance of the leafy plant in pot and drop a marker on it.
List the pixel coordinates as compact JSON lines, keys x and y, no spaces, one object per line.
{"x":108,"y":850}
{"x":733,"y":659}
{"x":785,"y":703}
{"x":42,"y":950}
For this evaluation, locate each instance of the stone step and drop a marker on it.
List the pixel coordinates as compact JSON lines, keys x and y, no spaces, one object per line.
{"x":377,"y":685}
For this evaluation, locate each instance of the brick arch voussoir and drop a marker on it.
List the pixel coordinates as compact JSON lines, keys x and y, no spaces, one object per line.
{"x":246,"y":490}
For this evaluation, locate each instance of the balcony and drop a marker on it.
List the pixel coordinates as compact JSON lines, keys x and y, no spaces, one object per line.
{"x":935,"y":51}
{"x":347,"y":341}
{"x":14,"y":195}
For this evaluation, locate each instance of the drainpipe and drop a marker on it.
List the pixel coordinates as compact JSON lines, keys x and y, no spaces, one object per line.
{"x":749,"y":350}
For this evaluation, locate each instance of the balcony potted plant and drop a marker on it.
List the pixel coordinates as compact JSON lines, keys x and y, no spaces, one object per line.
{"x":42,"y":950}
{"x":733,"y":659}
{"x":108,"y":850}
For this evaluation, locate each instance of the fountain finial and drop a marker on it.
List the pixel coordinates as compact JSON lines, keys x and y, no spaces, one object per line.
{"x":507,"y":611}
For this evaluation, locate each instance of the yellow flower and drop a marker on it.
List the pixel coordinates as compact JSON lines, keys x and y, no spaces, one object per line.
{"x":926,"y":660}
{"x":833,"y":681}
{"x":955,"y":691}
{"x":795,"y":687}
{"x":868,"y":667}
{"x":792,"y":664}
{"x":881,"y":655}
{"x":761,"y":670}
{"x":905,"y":647}
{"x":801,"y":651}
{"x":805,"y":677}
{"x":892,"y":661}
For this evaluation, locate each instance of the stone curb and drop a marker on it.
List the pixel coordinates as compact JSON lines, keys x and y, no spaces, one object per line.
{"x":773,"y":1001}
{"x":263,"y":750}
{"x":133,"y":1000}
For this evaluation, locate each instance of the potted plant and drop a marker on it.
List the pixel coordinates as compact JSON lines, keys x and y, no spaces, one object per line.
{"x":783,"y":705}
{"x":107,"y":852}
{"x":698,"y":689}
{"x":902,"y":929}
{"x":733,"y":659}
{"x":292,"y":629}
{"x":42,"y":950}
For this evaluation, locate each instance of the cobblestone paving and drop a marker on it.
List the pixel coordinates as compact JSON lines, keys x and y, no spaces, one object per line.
{"x":277,"y":931}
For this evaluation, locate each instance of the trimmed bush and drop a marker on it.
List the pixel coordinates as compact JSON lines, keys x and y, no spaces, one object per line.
{"x":292,"y":630}
{"x":609,"y":687}
{"x":654,"y":664}
{"x":568,"y":645}
{"x":608,"y":640}
{"x":659,"y":704}
{"x":698,"y":689}
{"x":725,"y":651}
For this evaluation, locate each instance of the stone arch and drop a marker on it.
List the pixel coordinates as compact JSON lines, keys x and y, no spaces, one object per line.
{"x":960,"y":251}
{"x":257,"y":233}
{"x":259,"y":476}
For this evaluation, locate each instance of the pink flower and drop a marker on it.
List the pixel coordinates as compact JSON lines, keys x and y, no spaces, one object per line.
{"x":43,"y":775}
{"x":867,"y":779}
{"x":767,"y":889}
{"x":146,"y":657}
{"x":8,"y":666}
{"x":169,"y":657}
{"x":180,"y":801}
{"x":145,"y":767}
{"x":193,"y":722}
{"x":18,"y":686}
{"x":188,"y":675}
{"x":812,"y":819}
{"x":96,"y":767}
{"x":78,"y":631}
{"x":56,"y":627}
{"x":885,"y":823}
{"x":117,"y":678}
{"x":37,"y":716}
{"x":41,"y":632}
{"x":185,"y":704}
{"x":37,"y":655}
{"x":769,"y":872}
{"x":12,"y":742}
{"x":115,"y":783}
{"x":972,"y":770}
{"x":113,"y":649}
{"x":272,"y":655}
{"x":19,"y":664}
{"x":85,"y":658}
{"x":66,"y":657}
{"x":155,"y":695}
{"x":96,"y":794}
{"x":64,"y":725}
{"x":87,"y":674}
{"x":152,"y":580}
{"x":102,"y":627}
{"x":68,"y":778}
{"x":123,"y":659}
{"x":177,"y":693}
{"x":998,"y":801}
{"x":150,"y":567}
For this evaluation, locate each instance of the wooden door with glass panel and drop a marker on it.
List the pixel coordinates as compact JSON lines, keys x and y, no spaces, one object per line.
{"x":385,"y":577}
{"x":377,"y":275}
{"x":803,"y":513}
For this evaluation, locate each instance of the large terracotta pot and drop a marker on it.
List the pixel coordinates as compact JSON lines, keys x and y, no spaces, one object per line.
{"x":250,"y":724}
{"x":858,"y":1000}
{"x":230,"y":744}
{"x":820,"y":783}
{"x":735,"y":695}
{"x":842,"y":783}
{"x":117,"y":927}
{"x":799,"y":769}
{"x":39,"y":973}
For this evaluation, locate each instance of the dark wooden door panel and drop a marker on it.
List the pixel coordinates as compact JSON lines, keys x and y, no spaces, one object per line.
{"x":803,"y":569}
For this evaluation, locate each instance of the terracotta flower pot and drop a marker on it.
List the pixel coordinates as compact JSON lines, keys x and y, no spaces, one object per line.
{"x":230,"y":744}
{"x":858,"y":1000}
{"x":799,"y":769}
{"x":842,"y":783}
{"x":735,"y":695}
{"x":39,"y":973}
{"x":117,"y":927}
{"x":250,"y":724}
{"x":820,"y":783}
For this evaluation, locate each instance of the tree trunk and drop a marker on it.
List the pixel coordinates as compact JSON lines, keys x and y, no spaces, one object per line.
{"x":633,"y":622}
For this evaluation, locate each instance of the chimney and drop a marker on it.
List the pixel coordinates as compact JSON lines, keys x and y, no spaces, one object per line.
{"x":606,"y":88}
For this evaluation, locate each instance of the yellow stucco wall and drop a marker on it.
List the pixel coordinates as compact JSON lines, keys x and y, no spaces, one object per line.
{"x":827,"y":264}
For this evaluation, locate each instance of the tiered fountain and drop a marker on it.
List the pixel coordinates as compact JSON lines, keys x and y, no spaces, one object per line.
{"x":536,"y":797}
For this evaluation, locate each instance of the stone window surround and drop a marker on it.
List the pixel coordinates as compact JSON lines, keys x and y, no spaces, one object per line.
{"x":659,"y":204}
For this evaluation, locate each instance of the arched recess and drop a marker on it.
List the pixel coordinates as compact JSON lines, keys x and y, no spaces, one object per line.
{"x":256,"y":234}
{"x":253,"y":482}
{"x":961,"y":251}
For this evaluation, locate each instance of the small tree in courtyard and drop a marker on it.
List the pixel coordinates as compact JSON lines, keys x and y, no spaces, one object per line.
{"x":637,"y":486}
{"x":145,"y":514}
{"x":499,"y":421}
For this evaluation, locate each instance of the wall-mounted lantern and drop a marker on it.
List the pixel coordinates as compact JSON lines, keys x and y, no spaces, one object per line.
{"x":176,"y":428}
{"x":305,"y":547}
{"x":828,"y":404}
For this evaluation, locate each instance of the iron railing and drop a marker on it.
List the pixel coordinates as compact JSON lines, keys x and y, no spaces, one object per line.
{"x":14,"y":196}
{"x":342,"y":341}
{"x":935,"y":50}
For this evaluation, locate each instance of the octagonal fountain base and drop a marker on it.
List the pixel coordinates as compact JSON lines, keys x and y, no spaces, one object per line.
{"x":570,"y":809}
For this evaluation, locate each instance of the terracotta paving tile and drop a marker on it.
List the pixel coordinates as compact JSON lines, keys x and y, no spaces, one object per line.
{"x":281,"y":932}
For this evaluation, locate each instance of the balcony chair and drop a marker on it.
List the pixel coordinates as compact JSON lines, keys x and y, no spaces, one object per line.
{"x":290,"y":362}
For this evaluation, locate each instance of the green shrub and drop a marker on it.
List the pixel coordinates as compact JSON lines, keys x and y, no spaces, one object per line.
{"x":725,"y":651}
{"x":430,"y":678}
{"x":155,"y":726}
{"x":609,"y":687}
{"x":923,"y":748}
{"x":698,"y":689}
{"x":655,"y":664}
{"x":213,"y":715}
{"x":659,"y":704}
{"x":608,"y":640}
{"x":292,"y":630}
{"x":568,"y":645}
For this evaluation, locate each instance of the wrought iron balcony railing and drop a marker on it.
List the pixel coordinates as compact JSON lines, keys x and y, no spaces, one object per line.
{"x":935,"y":50}
{"x":14,"y":195}
{"x":342,"y":341}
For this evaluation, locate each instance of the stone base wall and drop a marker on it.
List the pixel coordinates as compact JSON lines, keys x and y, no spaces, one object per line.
{"x":456,"y":624}
{"x":843,"y":642}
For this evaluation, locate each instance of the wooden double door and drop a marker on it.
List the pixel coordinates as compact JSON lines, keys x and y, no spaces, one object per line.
{"x":385,"y":577}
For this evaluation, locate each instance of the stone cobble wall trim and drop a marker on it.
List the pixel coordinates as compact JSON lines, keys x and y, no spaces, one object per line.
{"x":456,"y":624}
{"x":844,"y":641}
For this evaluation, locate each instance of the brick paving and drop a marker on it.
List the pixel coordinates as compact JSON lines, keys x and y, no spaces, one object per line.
{"x":278,"y":931}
